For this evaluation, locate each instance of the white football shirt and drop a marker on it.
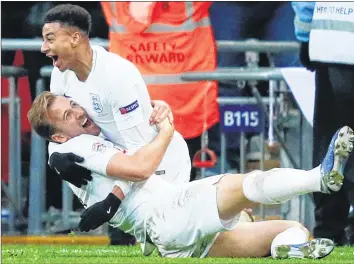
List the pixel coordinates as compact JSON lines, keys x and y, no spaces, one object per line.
{"x":117,"y":100}
{"x":97,"y":152}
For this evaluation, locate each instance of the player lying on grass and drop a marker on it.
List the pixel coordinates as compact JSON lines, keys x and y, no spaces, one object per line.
{"x":196,"y":219}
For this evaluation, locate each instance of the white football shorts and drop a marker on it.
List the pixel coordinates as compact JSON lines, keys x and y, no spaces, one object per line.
{"x":185,"y":222}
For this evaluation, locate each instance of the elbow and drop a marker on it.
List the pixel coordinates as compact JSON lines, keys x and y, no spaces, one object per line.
{"x":144,"y":173}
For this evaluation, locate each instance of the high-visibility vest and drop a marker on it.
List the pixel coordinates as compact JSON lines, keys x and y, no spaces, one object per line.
{"x":332,"y":33}
{"x":178,"y":38}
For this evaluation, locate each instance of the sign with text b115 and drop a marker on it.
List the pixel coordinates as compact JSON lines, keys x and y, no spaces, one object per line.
{"x":241,"y":118}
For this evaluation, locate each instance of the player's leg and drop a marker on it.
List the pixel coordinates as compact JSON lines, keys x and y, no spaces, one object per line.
{"x":235,"y":192}
{"x":259,"y":239}
{"x":293,"y":242}
{"x":253,"y":239}
{"x":210,"y":205}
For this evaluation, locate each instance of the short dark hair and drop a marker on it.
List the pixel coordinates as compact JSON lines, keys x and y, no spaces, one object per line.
{"x":70,"y":15}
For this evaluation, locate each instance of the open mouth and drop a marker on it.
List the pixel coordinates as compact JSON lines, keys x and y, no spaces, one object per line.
{"x":86,"y":122}
{"x":54,"y":58}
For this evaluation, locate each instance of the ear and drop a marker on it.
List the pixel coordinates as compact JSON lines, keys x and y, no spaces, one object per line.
{"x":59,"y":138}
{"x":75,"y":38}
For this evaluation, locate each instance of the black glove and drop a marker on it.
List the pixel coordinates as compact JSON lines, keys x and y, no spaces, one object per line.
{"x":99,"y":213}
{"x":64,"y":164}
{"x":305,"y":57}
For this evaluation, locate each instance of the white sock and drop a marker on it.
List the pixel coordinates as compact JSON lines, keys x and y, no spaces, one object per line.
{"x":280,"y":185}
{"x":291,"y":236}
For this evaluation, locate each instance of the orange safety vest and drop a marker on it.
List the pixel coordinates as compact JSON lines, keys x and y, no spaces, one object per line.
{"x":177,"y":38}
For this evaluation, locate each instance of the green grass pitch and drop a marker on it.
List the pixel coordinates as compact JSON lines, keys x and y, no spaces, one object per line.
{"x":62,"y":254}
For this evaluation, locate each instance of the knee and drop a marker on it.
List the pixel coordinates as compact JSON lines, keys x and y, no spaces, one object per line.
{"x":253,"y":172}
{"x":298,"y":224}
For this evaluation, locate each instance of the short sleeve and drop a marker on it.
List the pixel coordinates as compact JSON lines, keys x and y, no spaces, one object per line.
{"x":123,"y":96}
{"x":56,"y":82}
{"x":96,"y":151}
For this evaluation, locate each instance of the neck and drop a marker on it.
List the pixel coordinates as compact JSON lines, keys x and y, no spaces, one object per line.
{"x":84,"y":63}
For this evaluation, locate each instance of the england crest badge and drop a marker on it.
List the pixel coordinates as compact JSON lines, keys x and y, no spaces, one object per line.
{"x":96,"y":103}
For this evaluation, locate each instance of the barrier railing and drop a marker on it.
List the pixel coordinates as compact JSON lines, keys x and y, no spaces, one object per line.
{"x":236,"y":74}
{"x":14,"y":110}
{"x":225,"y":46}
{"x":37,"y":177}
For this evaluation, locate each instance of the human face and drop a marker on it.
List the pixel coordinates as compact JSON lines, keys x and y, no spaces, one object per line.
{"x":70,"y":120}
{"x":59,"y":43}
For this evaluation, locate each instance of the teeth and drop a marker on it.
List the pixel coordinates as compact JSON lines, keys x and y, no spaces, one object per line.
{"x":84,"y":121}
